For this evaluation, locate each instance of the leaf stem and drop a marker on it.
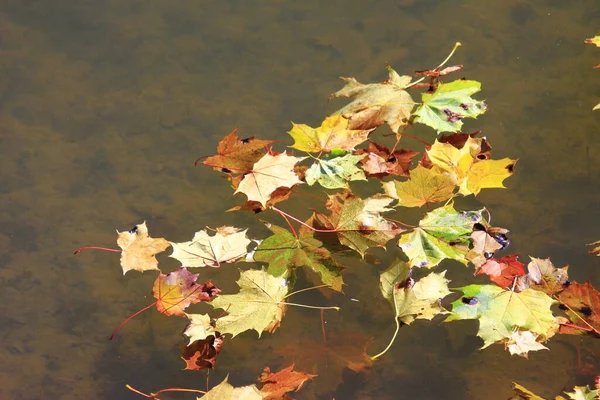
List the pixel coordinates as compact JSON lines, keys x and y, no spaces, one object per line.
{"x":302,"y":223}
{"x":581,"y":328}
{"x":456,"y":46}
{"x":290,"y":225}
{"x":396,"y":319}
{"x":130,"y":317}
{"x":401,"y":223}
{"x":305,"y":290}
{"x":153,"y":395}
{"x":96,"y":248}
{"x":323,"y":327}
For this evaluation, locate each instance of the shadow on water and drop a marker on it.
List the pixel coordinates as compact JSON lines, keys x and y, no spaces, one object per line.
{"x":104,"y":106}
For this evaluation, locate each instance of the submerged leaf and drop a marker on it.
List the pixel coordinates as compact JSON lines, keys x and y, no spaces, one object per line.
{"x":259,"y":305}
{"x":377,"y":103}
{"x":202,"y":354}
{"x":332,"y":134}
{"x":176,"y":290}
{"x":227,"y":245}
{"x":139,"y":249}
{"x":444,"y":109}
{"x":275,"y":385}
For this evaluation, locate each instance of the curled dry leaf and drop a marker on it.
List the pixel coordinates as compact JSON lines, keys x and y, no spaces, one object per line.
{"x":176,"y":290}
{"x":227,"y":245}
{"x":139,"y":249}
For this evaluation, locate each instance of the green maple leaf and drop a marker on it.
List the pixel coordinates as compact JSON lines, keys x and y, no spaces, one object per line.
{"x":501,"y":312}
{"x":284,"y":252}
{"x":444,"y":109}
{"x":443,"y":233}
{"x":259,"y":305}
{"x":584,"y":393}
{"x":358,"y":222}
{"x":335,"y":172}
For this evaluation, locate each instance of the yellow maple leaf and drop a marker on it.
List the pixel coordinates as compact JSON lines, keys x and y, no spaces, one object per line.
{"x":333,"y":133}
{"x":139,"y":249}
{"x":468,"y":172}
{"x":425,"y":186}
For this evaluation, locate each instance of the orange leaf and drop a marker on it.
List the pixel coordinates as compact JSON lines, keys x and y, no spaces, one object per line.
{"x":276,"y":385}
{"x":583,"y":305}
{"x":139,"y":249}
{"x":177,"y":290}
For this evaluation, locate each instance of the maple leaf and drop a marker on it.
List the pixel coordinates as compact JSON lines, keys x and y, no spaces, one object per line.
{"x":377,"y":103}
{"x":503,"y":271}
{"x":284,"y":252}
{"x":420,"y":300}
{"x":486,"y":241}
{"x":139,"y":249}
{"x":595,"y":41}
{"x":443,"y":233}
{"x":276,"y":385}
{"x":358,"y":222}
{"x":329,"y":360}
{"x":543,"y":276}
{"x":280,"y":194}
{"x":224,"y":391}
{"x":584,"y":393}
{"x":237,"y":155}
{"x":227,"y":245}
{"x":335,"y":172}
{"x":176,"y":290}
{"x":522,"y":342}
{"x":425,"y":186}
{"x":199,"y":328}
{"x":332,"y":134}
{"x":465,"y":168}
{"x":595,"y":250}
{"x":583,"y":305}
{"x":202,"y":354}
{"x":500,"y":312}
{"x":268,"y":174}
{"x":259,"y":305}
{"x":380,"y":161}
{"x":444,"y":109}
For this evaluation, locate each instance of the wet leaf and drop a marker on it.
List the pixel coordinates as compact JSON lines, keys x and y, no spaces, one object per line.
{"x":522,"y":342}
{"x":444,"y":109}
{"x":202,"y":354}
{"x":501,"y":312}
{"x":258,"y":306}
{"x":268,"y":174}
{"x":335,"y":172}
{"x":425,"y":186}
{"x":176,"y":290}
{"x":595,"y":41}
{"x":443,"y":233}
{"x":584,"y":393}
{"x":199,"y":328}
{"x":358,"y":222}
{"x":139,"y":249}
{"x":595,"y":250}
{"x":583,"y":303}
{"x":376,"y":104}
{"x":503,"y":271}
{"x":276,"y":385}
{"x":236,"y":154}
{"x":332,"y":134}
{"x":486,"y":241}
{"x":543,"y":276}
{"x":284,"y":252}
{"x":524,"y":393}
{"x":380,"y":161}
{"x":227,"y":245}
{"x":224,"y":391}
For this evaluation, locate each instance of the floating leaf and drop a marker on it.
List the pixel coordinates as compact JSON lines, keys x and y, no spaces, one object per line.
{"x":176,"y":290}
{"x":358,"y":222}
{"x":443,"y":233}
{"x":202,"y":354}
{"x":380,"y":161}
{"x":465,"y":168}
{"x":284,"y":252}
{"x":332,"y":134}
{"x":526,"y":394}
{"x":268,"y":174}
{"x":595,"y":250}
{"x":584,"y":393}
{"x":583,"y":305}
{"x":227,"y":245}
{"x":259,"y":305}
{"x":224,"y":391}
{"x":237,"y":155}
{"x":444,"y":109}
{"x":522,"y":342}
{"x":595,"y":41}
{"x":335,"y":172}
{"x":199,"y":328}
{"x":276,"y":385}
{"x":139,"y":249}
{"x":503,"y":271}
{"x":377,"y":103}
{"x":397,"y":275}
{"x":543,"y":276}
{"x":486,"y":241}
{"x":500,"y":312}
{"x":425,"y":186}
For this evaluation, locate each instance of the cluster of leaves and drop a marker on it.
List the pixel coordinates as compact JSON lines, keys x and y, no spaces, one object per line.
{"x":578,"y":393}
{"x":514,"y":309}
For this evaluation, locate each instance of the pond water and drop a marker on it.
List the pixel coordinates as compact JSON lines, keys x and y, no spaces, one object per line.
{"x":105,"y":105}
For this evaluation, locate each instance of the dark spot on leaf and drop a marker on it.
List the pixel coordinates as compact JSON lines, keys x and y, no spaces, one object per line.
{"x":470,"y":300}
{"x":133,"y":230}
{"x":510,"y":168}
{"x":567,"y":284}
{"x":502,"y":240}
{"x":245,"y":141}
{"x":562,"y":307}
{"x":226,"y":170}
{"x":481,"y":157}
{"x":465,"y":106}
{"x":488,"y":255}
{"x":478,"y":227}
{"x":585,"y":310}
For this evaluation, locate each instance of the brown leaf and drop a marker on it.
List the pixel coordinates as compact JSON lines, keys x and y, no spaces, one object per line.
{"x":276,"y":385}
{"x":202,"y":354}
{"x":178,"y":289}
{"x":380,"y":161}
{"x":543,"y":276}
{"x":583,"y":305}
{"x":139,"y":249}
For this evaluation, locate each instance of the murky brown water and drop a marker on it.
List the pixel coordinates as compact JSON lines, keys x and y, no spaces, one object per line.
{"x":104,"y":106}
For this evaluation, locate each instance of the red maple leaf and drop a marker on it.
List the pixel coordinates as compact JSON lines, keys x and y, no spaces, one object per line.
{"x":503,"y":271}
{"x":276,"y":385}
